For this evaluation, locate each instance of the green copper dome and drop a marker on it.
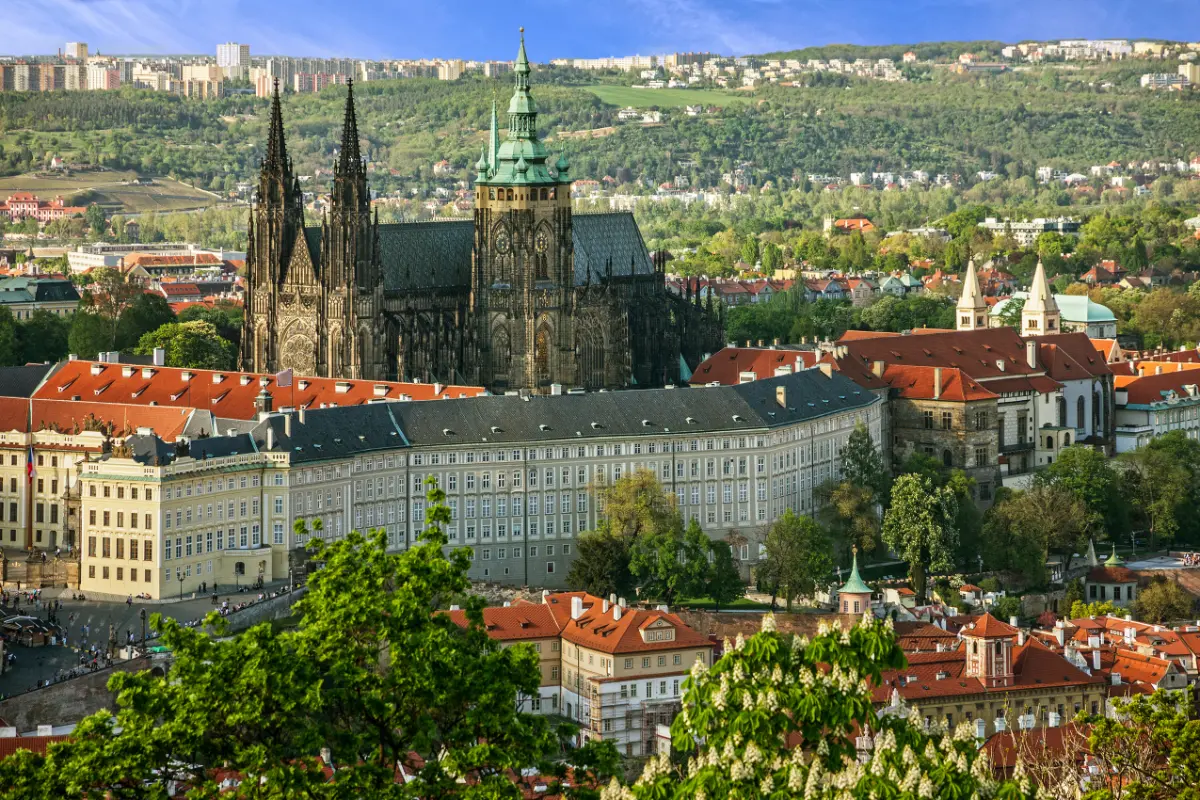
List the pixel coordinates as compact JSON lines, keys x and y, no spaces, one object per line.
{"x":1114,"y":560}
{"x":562,"y":165}
{"x":855,"y":585}
{"x":481,"y":166}
{"x":521,"y":159}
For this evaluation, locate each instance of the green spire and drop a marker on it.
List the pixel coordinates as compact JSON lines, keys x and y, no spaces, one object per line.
{"x":521,"y":159}
{"x":1114,"y":560}
{"x":855,"y":585}
{"x":493,"y":138}
{"x":481,"y":166}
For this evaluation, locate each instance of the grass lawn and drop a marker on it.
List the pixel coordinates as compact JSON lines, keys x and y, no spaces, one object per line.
{"x":665,"y":98}
{"x":109,"y":189}
{"x":705,"y":603}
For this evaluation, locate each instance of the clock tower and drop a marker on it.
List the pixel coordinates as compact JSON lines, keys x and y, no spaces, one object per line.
{"x":522,"y":271}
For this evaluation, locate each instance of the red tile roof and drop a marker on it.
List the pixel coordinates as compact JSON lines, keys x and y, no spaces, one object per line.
{"x":521,"y":620}
{"x":1111,"y":575}
{"x":600,"y":631}
{"x":1070,"y":356}
{"x":988,"y":627}
{"x":34,"y":744}
{"x":917,"y":383}
{"x":1002,"y":748}
{"x":66,"y":416}
{"x":225,"y":394}
{"x":726,"y":365}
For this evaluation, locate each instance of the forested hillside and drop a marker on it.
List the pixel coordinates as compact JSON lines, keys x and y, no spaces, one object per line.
{"x":944,"y":123}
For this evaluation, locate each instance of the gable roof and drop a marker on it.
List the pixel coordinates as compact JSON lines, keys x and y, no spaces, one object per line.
{"x":599,"y":630}
{"x":988,"y":627}
{"x":727,"y":364}
{"x":521,"y":620}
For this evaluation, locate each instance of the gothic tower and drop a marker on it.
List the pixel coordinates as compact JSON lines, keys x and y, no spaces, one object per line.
{"x":972,"y":310}
{"x":522,"y":272}
{"x":276,"y":220}
{"x":1040,"y":316}
{"x":352,"y":324}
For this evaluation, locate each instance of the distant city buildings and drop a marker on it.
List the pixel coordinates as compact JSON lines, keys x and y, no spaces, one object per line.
{"x":76,"y":50}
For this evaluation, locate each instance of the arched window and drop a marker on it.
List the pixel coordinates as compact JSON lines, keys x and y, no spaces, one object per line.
{"x":1062,"y":413}
{"x":947,"y":458}
{"x":1080,"y":412}
{"x":492,"y":194}
{"x":543,"y":194}
{"x":1049,"y":442}
{"x":1096,"y":403}
{"x":1066,"y":440}
{"x":510,"y":194}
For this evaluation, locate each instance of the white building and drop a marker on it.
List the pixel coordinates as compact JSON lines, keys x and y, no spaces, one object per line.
{"x":232,"y":54}
{"x":76,"y":50}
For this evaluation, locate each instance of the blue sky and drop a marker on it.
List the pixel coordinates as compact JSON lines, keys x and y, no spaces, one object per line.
{"x":557,"y":28}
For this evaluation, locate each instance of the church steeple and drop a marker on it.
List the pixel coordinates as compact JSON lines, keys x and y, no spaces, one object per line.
{"x":971,"y":309}
{"x":1040,"y":316}
{"x":521,"y":160}
{"x":350,"y":159}
{"x":276,"y":147}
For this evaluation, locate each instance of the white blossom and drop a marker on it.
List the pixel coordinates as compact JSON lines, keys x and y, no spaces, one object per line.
{"x":768,"y":622}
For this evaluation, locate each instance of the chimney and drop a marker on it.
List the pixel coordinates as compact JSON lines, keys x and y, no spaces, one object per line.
{"x":327,"y":756}
{"x":287,"y":425}
{"x":1096,"y":659}
{"x":760,"y":342}
{"x":604,"y":606}
{"x":781,"y":396}
{"x":545,"y":594}
{"x":576,"y":607}
{"x":621,"y":602}
{"x":616,"y":613}
{"x":264,"y":403}
{"x":1060,"y":633}
{"x":1031,"y":354}
{"x":826,"y":369}
{"x":612,"y":598}
{"x":981,"y":729}
{"x":270,"y":437}
{"x":878,"y":368}
{"x":1013,"y":621}
{"x":1020,"y":638}
{"x":1158,"y":370}
{"x":937,"y":383}
{"x":300,"y":415}
{"x":160,"y":357}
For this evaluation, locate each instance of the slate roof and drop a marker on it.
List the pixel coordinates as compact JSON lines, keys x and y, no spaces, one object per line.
{"x":437,"y":255}
{"x":27,"y":289}
{"x":22,"y":381}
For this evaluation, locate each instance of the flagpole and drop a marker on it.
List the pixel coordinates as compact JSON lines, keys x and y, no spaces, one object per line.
{"x":29,"y":473}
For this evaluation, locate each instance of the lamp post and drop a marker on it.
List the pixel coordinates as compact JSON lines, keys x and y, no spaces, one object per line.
{"x":179,"y":576}
{"x":290,"y":584}
{"x":142,"y":614}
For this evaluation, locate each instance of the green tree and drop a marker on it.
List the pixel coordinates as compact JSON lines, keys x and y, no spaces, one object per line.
{"x":1099,"y":608}
{"x":672,"y":563}
{"x":43,"y":337}
{"x":225,"y":317}
{"x":111,"y":294}
{"x":1156,"y":486}
{"x":862,"y":464}
{"x":1147,"y":748}
{"x":749,"y":251}
{"x":148,"y":312}
{"x":190,"y":344}
{"x":261,"y":704}
{"x":724,"y":583}
{"x":919,"y":527}
{"x":1072,"y":595}
{"x":9,"y":346}
{"x":1086,"y":473}
{"x":1164,"y":601}
{"x":90,"y":334}
{"x":94,"y":216}
{"x":849,"y":512}
{"x":799,"y":557}
{"x":636,"y":504}
{"x":772,"y":258}
{"x":776,"y":717}
{"x":601,"y":565}
{"x":1006,"y":607}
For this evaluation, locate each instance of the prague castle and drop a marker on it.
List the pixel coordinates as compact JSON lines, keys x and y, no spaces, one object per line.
{"x":525,"y":296}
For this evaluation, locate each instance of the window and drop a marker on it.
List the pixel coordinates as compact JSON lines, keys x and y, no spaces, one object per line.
{"x":148,"y":555}
{"x":928,"y":417}
{"x":947,"y":420}
{"x":628,"y":665}
{"x":981,"y":456}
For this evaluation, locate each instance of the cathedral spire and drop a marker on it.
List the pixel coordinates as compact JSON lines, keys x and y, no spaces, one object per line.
{"x":972,"y":309}
{"x":493,"y":152}
{"x":350,"y":159}
{"x":1040,"y":315}
{"x":276,"y":148}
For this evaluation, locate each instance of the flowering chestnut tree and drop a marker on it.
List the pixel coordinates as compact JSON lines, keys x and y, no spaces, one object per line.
{"x":784,"y":716}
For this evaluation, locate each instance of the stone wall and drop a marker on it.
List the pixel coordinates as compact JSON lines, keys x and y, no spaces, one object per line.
{"x":265,"y":610}
{"x":69,"y":701}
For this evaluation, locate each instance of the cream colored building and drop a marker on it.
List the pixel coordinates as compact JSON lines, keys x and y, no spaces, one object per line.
{"x":213,"y":516}
{"x":616,"y":671}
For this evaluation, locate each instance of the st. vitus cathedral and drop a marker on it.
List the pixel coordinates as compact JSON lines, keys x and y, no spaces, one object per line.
{"x":526,"y":295}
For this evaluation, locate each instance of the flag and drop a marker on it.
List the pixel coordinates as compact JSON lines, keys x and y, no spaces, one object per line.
{"x":29,"y":470}
{"x":284,"y":378}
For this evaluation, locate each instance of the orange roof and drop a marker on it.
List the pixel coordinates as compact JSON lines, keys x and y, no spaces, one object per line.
{"x":988,"y":627}
{"x":1111,"y":575}
{"x":152,"y":260}
{"x":1071,"y":356}
{"x":851,"y":336}
{"x":854,"y":224}
{"x":226,"y":394}
{"x":726,"y":365}
{"x":601,"y":631}
{"x":34,"y":744}
{"x":918,"y":383}
{"x":521,"y":620}
{"x":1002,"y":747}
{"x":66,"y":416}
{"x":1150,"y":389}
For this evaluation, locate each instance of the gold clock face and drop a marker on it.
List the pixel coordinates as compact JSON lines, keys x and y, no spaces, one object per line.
{"x":541,"y":242}
{"x":503,"y":241}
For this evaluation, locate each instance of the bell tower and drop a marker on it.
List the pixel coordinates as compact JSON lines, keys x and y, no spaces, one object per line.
{"x":1040,"y":316}
{"x":352,"y":281}
{"x":522,"y":272}
{"x":972,"y":310}
{"x":276,"y":219}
